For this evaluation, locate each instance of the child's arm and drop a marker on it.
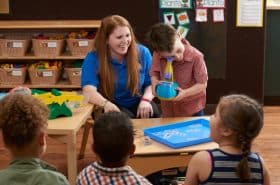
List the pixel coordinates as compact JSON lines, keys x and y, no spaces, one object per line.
{"x":155,"y":81}
{"x":266,"y":178}
{"x":196,"y":89}
{"x":195,"y":173}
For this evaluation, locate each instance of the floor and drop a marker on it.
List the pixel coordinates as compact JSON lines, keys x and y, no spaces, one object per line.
{"x":267,"y":144}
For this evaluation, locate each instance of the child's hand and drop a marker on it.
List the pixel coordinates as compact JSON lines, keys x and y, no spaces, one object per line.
{"x":181,"y":94}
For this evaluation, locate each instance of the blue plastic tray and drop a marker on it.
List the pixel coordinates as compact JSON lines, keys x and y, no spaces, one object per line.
{"x":181,"y":134}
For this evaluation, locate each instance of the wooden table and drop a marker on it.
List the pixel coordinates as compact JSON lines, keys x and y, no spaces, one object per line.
{"x":65,"y":130}
{"x":151,"y":158}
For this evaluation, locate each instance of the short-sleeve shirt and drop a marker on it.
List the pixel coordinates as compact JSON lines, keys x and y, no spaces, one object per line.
{"x":122,"y":95}
{"x":95,"y":174}
{"x":31,"y":171}
{"x":188,"y":72}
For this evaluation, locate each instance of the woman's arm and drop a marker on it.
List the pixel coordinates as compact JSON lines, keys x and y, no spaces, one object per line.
{"x":145,"y":109}
{"x":93,"y":96}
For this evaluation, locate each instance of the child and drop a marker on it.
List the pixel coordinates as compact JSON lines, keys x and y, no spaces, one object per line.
{"x":237,"y":121}
{"x":188,"y":68}
{"x":23,"y":120}
{"x":113,"y":138}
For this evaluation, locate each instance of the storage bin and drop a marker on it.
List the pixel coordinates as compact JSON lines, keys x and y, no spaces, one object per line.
{"x":44,"y":76}
{"x":10,"y":47}
{"x":79,"y":47}
{"x":47,"y":48}
{"x":74,"y":75}
{"x":12,"y":76}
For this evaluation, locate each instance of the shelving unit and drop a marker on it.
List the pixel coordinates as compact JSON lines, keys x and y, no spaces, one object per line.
{"x":26,"y":27}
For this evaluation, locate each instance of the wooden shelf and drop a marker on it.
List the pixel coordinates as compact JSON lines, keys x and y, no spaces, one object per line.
{"x":27,"y":27}
{"x":31,"y":56}
{"x":59,"y":85}
{"x":49,"y":24}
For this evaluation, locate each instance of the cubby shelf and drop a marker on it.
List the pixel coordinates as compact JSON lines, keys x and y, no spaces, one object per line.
{"x":30,"y":26}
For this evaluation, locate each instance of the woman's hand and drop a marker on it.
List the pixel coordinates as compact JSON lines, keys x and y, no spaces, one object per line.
{"x":110,"y":107}
{"x":145,"y":109}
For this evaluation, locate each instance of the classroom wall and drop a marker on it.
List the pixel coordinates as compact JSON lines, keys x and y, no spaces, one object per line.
{"x":245,"y":46}
{"x":272,"y":58}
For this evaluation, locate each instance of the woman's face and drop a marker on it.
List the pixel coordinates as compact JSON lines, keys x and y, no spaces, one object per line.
{"x":119,"y":41}
{"x":177,"y":52}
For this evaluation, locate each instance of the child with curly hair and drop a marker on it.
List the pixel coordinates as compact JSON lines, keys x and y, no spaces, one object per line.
{"x":236,"y":123}
{"x":23,"y":120}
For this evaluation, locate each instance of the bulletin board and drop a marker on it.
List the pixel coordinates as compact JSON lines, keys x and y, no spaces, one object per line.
{"x":203,"y":23}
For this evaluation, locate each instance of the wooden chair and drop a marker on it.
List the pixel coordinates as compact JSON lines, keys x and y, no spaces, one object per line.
{"x":97,"y":111}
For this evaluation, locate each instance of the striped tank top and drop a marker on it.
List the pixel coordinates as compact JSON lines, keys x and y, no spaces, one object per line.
{"x":224,"y":169}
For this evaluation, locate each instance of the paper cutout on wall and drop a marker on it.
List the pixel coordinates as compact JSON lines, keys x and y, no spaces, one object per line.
{"x":210,"y":3}
{"x":218,"y":15}
{"x":183,"y":18}
{"x":201,"y":15}
{"x":175,"y":3}
{"x":182,"y":31}
{"x":169,"y":18}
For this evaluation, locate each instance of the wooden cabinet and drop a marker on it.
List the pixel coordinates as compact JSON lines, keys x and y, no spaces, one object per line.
{"x":27,"y":28}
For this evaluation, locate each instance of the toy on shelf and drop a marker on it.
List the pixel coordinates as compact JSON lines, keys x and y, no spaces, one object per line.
{"x":59,"y":103}
{"x":167,"y":89}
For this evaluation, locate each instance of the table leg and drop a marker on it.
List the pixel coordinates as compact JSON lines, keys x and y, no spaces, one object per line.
{"x":72,"y":158}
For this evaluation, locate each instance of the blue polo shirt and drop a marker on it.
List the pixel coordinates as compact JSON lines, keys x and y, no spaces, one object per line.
{"x":122,"y":96}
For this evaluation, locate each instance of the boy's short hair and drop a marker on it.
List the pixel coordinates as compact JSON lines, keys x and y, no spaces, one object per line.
{"x":22,"y":117}
{"x":161,"y":37}
{"x":113,"y":136}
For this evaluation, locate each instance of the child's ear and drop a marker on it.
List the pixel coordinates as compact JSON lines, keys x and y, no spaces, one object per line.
{"x":42,"y":138}
{"x":227,"y":132}
{"x":132,"y":150}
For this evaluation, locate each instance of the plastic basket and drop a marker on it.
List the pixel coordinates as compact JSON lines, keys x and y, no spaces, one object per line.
{"x":44,"y":76}
{"x":74,"y":75}
{"x":12,"y":76}
{"x":47,"y":48}
{"x":10,"y":47}
{"x":79,"y":47}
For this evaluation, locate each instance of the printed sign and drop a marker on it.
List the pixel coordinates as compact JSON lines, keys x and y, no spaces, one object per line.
{"x":182,"y":31}
{"x":169,"y":18}
{"x":201,"y":15}
{"x":175,"y":3}
{"x":210,"y":3}
{"x":218,"y":15}
{"x":183,"y":18}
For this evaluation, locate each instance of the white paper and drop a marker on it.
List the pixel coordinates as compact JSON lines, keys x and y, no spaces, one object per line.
{"x":17,"y":45}
{"x":51,"y":44}
{"x":83,"y":43}
{"x":250,"y":13}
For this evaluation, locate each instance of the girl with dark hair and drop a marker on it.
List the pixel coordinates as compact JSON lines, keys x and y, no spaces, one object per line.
{"x":236,"y":123}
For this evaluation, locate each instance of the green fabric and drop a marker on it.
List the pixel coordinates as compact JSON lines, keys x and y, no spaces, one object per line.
{"x":31,"y":172}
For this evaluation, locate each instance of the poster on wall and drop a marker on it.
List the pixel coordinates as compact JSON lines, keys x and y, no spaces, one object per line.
{"x":175,"y":3}
{"x":210,"y":3}
{"x":249,"y":13}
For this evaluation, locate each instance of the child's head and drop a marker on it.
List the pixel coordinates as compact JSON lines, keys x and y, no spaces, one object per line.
{"x":23,"y":119}
{"x":164,"y":39}
{"x":240,"y":120}
{"x":113,"y":138}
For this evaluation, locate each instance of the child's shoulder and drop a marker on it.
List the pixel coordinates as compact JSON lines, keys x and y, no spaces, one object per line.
{"x":201,"y":157}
